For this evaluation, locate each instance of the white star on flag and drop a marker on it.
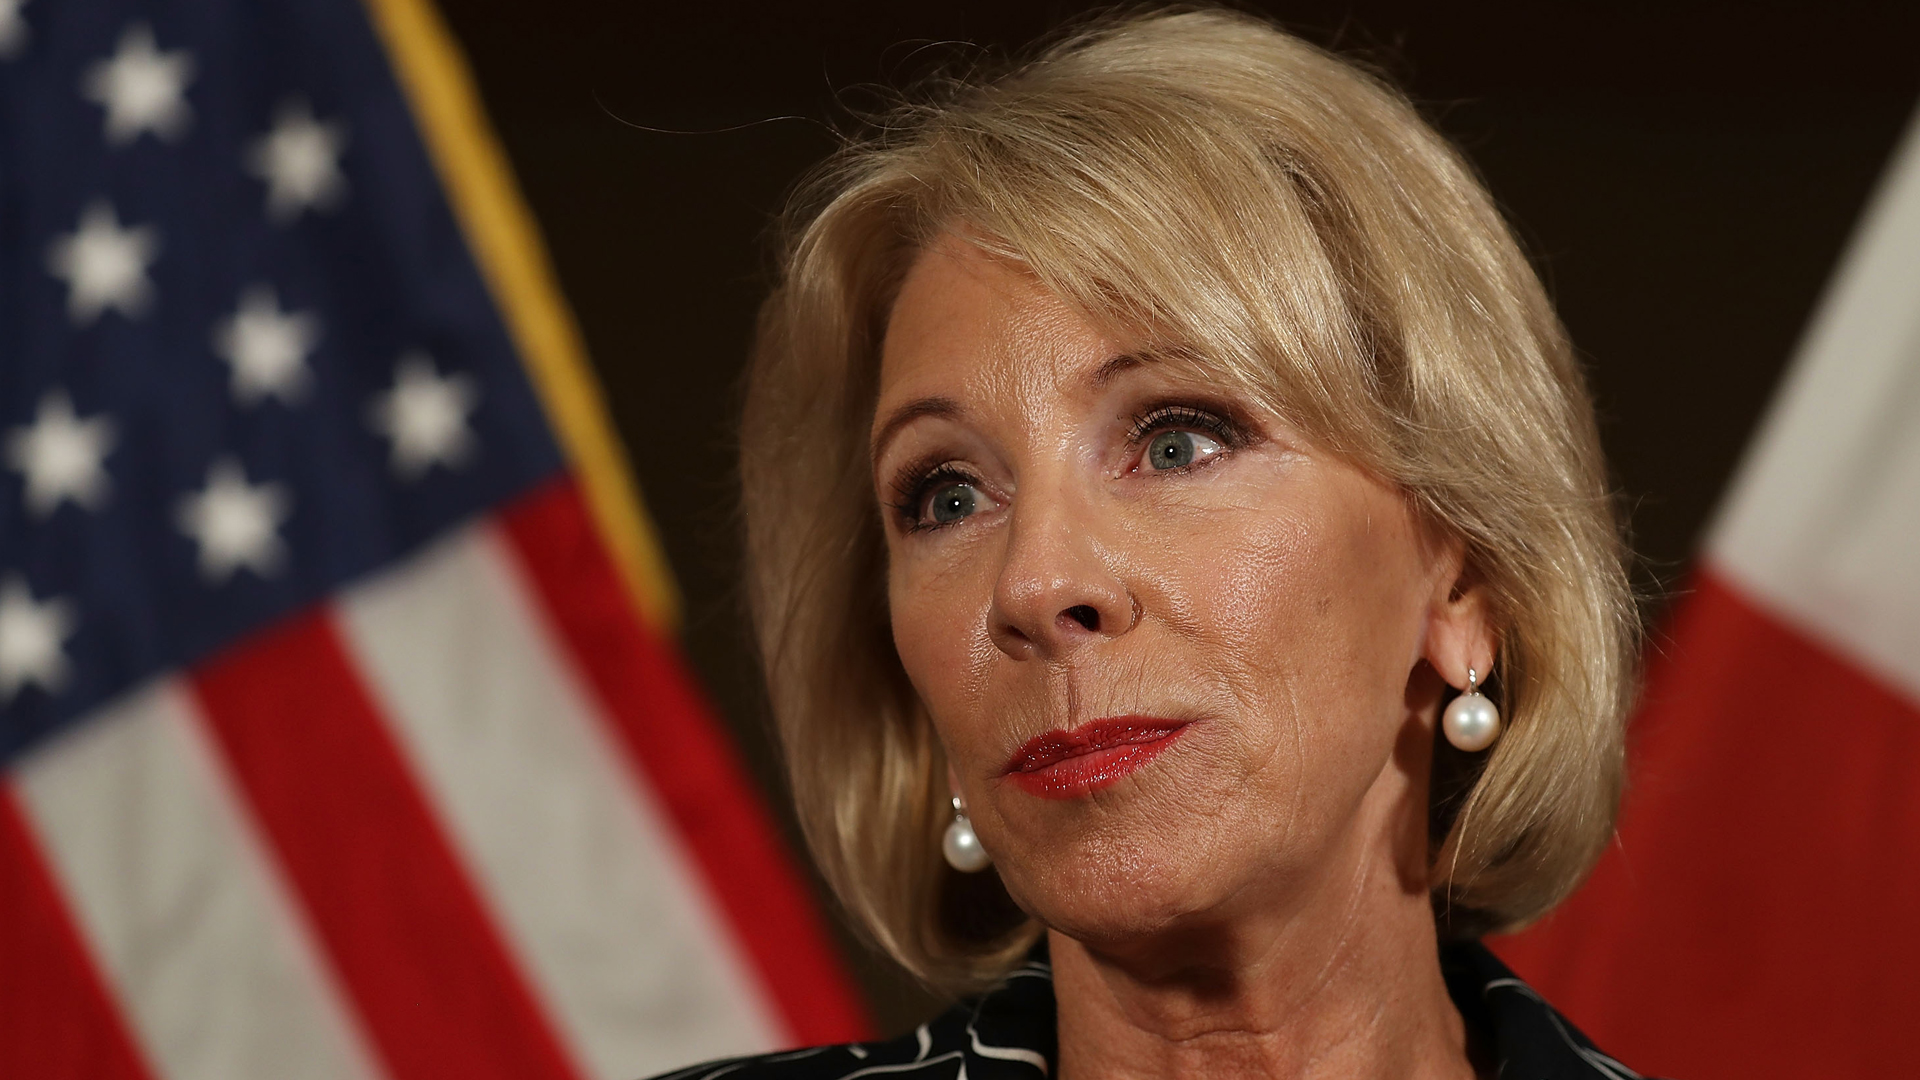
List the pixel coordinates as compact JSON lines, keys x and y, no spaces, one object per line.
{"x":61,"y":456}
{"x":299,"y":160}
{"x":267,"y":348}
{"x":236,"y":523}
{"x":104,"y":265}
{"x":142,"y":88}
{"x":425,"y":416}
{"x":13,"y":29}
{"x":31,"y":634}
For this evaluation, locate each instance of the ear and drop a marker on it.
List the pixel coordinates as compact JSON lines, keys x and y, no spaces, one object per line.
{"x":1460,"y":630}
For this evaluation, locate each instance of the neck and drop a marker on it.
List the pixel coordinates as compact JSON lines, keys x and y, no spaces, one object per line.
{"x":1343,"y":981}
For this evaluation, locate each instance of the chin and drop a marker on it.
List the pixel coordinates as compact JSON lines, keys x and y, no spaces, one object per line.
{"x":1132,"y":862}
{"x":1105,"y":892}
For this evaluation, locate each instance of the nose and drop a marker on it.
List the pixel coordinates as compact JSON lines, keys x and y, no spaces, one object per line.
{"x":1057,"y":588}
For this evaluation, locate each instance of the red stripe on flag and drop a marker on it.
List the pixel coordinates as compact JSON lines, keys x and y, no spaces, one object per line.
{"x":1758,"y":916}
{"x":676,"y":745}
{"x":56,"y":1017}
{"x":378,"y":878}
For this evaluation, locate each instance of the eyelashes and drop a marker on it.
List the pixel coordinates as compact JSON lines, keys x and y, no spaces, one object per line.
{"x":918,"y":481}
{"x":1184,"y":417}
{"x":938,"y":472}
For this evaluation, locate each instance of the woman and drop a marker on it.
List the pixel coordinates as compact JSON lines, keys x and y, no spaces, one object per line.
{"x":1189,"y":591}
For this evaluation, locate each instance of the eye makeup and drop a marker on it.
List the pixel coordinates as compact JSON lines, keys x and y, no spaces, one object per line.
{"x":1185,"y":416}
{"x":920,"y":479}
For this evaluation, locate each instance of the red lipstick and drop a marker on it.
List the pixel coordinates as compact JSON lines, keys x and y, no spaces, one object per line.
{"x":1069,"y":764}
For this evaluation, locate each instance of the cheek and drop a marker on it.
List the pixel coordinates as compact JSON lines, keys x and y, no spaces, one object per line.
{"x":1249,"y":601}
{"x":1304,"y":618}
{"x":938,"y":614}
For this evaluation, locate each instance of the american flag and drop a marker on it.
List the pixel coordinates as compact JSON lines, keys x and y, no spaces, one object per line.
{"x":342,"y":727}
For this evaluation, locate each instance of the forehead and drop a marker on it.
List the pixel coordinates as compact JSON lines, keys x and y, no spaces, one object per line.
{"x":966,"y":322}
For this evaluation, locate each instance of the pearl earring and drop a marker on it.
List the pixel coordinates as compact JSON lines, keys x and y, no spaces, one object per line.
{"x":1471,"y":721}
{"x":960,"y":845}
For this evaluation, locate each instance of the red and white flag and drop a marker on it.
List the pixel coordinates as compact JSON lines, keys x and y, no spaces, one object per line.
{"x":1760,"y":915}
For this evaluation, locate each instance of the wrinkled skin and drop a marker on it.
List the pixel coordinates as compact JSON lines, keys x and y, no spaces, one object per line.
{"x":1253,"y":901}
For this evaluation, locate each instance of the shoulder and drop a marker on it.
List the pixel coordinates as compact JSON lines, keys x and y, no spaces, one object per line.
{"x":1522,"y":1033}
{"x":1008,"y":1034}
{"x":1005,"y":1034}
{"x":812,"y":1063}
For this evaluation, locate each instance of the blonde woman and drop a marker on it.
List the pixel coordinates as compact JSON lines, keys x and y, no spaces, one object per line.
{"x":1188,"y":587}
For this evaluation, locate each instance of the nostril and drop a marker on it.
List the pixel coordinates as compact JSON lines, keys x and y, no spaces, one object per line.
{"x":1085,"y":615}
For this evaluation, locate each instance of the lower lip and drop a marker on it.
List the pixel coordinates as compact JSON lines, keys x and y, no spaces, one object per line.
{"x":1096,"y":756}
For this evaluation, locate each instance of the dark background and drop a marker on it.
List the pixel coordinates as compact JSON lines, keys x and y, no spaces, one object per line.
{"x":1684,"y":177}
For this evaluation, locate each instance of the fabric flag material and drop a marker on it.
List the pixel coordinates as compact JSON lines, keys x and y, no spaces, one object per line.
{"x":1760,"y":914}
{"x":342,"y":730}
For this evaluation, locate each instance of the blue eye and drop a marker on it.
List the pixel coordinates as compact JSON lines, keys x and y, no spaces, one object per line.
{"x":1178,"y":449}
{"x":951,"y":502}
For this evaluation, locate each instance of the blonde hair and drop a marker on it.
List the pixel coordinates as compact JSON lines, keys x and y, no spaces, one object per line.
{"x":1213,"y":192}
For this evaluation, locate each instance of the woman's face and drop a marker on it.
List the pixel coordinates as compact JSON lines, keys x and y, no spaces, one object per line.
{"x":1173,"y":649}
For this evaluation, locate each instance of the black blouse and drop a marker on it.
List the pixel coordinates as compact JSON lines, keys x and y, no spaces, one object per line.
{"x":1008,"y":1034}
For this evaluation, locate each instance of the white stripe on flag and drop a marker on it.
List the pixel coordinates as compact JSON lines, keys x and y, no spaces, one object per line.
{"x":1823,"y":520}
{"x":598,"y":899}
{"x":194,"y":930}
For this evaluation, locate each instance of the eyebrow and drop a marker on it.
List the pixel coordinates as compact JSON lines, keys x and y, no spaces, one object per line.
{"x":948,"y":408}
{"x":1113,"y":369}
{"x":908,"y":413}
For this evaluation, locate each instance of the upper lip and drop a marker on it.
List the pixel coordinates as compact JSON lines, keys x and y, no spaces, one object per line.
{"x":1057,"y":745}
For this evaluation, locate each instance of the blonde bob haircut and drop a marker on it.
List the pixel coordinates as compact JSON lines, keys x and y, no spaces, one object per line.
{"x":1208,"y":191}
